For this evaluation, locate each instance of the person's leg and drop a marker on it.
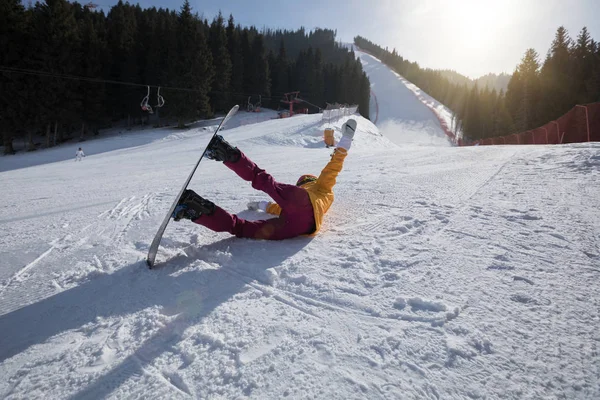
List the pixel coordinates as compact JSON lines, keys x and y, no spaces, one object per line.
{"x":271,"y":229}
{"x":287,"y":196}
{"x":204,"y":212}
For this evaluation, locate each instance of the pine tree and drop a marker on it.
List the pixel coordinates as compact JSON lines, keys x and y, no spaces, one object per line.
{"x":365,"y":95}
{"x":56,"y":30}
{"x":331,"y":74}
{"x":473,"y":121}
{"x":523,"y":93}
{"x":237,"y":60}
{"x":94,"y":54}
{"x":304,"y":73}
{"x":248,"y":60}
{"x":221,"y":98}
{"x":280,"y":72}
{"x":158,"y":39}
{"x":487,"y":101}
{"x":12,"y":30}
{"x":316,"y":94}
{"x":458,"y":104}
{"x":593,"y":81}
{"x":583,"y":64}
{"x":502,"y":120}
{"x":192,"y":68}
{"x":256,"y":71}
{"x":514,"y":97}
{"x":556,"y":78}
{"x":122,"y":101}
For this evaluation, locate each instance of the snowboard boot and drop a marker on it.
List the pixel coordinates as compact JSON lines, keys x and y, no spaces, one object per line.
{"x":191,"y":206}
{"x":218,"y":149}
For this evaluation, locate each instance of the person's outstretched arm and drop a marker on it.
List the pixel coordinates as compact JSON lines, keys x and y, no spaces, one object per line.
{"x":329,"y":174}
{"x":326,"y":180}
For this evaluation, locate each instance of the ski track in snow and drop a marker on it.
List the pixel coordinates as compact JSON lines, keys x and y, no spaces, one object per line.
{"x":439,"y":273}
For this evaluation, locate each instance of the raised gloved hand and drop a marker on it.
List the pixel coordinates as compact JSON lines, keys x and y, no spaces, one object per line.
{"x":348,"y":130}
{"x":258,"y":205}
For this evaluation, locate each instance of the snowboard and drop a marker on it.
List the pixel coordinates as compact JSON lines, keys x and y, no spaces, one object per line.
{"x":161,"y":230}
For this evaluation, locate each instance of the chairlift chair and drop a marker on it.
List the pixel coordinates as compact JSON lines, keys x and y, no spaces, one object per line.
{"x":258,"y":105}
{"x":144,"y":104}
{"x":160,"y":100}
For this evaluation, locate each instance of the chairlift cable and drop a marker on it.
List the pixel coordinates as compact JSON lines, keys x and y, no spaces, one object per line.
{"x":125,"y":83}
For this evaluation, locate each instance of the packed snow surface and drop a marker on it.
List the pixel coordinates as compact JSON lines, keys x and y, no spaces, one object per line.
{"x":440,"y":272}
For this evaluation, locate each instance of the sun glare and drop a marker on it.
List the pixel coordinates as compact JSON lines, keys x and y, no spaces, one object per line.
{"x":475,"y":24}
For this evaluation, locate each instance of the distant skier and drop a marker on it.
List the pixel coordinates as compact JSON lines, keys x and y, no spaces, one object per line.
{"x":79,"y":155}
{"x":300,"y":208}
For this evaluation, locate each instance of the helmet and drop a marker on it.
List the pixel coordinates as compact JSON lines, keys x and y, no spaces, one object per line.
{"x":304,"y":179}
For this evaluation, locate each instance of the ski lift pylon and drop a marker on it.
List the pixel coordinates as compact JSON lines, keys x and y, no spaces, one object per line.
{"x":290,"y":99}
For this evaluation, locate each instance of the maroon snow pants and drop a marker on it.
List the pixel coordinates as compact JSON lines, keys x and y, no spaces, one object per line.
{"x":296,"y":218}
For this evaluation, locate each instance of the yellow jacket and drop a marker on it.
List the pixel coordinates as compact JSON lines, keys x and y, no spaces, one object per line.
{"x":321,"y":190}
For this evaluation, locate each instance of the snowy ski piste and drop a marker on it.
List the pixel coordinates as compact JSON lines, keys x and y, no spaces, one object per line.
{"x":439,"y":273}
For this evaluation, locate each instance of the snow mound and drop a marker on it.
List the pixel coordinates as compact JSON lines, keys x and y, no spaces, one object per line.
{"x":307,"y":131}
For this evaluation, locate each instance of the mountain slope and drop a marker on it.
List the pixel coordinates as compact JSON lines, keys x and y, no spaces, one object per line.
{"x":401,"y":110}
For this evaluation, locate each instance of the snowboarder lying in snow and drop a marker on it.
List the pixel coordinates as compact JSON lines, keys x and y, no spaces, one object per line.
{"x":300,"y":208}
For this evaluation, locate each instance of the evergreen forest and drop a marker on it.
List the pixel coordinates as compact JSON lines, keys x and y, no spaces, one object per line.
{"x":68,"y":70}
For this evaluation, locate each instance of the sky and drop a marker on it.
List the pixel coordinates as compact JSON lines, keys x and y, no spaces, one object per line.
{"x":472,"y":37}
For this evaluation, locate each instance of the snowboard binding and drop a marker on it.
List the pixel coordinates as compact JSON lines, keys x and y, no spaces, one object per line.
{"x":191,"y":206}
{"x":219,"y":150}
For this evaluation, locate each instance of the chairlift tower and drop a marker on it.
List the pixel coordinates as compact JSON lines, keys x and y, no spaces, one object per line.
{"x":291,"y":98}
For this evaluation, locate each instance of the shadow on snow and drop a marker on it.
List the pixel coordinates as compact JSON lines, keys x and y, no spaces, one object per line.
{"x":190,"y":295}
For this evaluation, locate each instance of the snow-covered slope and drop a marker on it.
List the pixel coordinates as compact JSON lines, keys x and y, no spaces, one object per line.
{"x":402,"y":111}
{"x":440,"y":272}
{"x":120,"y":138}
